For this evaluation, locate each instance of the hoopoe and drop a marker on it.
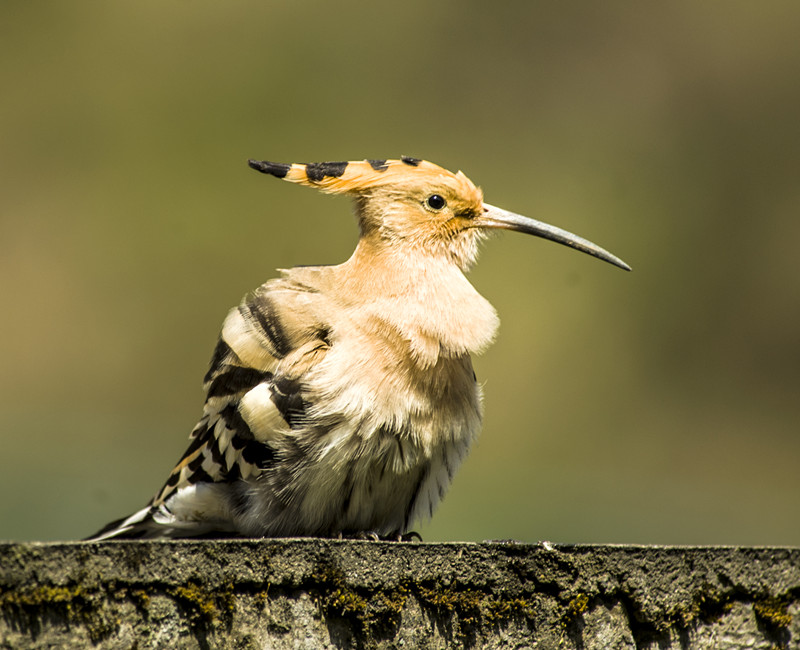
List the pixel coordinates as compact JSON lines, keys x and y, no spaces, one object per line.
{"x":340,"y":400}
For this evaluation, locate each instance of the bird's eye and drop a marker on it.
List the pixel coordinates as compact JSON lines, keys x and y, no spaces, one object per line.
{"x":435,"y":202}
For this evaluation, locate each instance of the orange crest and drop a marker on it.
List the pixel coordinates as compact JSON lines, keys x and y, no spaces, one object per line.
{"x":358,"y":176}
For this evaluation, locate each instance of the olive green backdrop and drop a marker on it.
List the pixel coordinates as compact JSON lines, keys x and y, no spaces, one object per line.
{"x":658,"y":406}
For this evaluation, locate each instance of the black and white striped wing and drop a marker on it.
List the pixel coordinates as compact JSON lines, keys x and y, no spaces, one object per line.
{"x":253,"y":395}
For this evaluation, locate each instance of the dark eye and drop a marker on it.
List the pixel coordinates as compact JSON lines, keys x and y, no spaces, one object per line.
{"x":435,"y":202}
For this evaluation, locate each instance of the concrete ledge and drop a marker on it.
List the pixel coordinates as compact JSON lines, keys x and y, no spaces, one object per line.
{"x":312,"y":593}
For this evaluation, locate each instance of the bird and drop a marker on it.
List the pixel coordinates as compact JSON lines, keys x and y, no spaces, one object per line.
{"x":341,"y":399}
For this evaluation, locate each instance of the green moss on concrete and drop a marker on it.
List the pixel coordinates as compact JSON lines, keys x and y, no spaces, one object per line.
{"x":199,"y":603}
{"x":364,"y":594}
{"x":464,"y":602}
{"x":381,"y":608}
{"x":370,"y":609}
{"x":705,"y":605}
{"x":74,"y":604}
{"x":69,"y":598}
{"x":498,"y":610}
{"x":576,"y":606}
{"x":773,"y":612}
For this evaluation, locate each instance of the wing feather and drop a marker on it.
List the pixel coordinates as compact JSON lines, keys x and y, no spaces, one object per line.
{"x":254,"y":395}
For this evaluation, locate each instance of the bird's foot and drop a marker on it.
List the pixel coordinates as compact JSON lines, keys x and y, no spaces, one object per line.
{"x":411,"y":536}
{"x":363,"y":535}
{"x":371,"y":535}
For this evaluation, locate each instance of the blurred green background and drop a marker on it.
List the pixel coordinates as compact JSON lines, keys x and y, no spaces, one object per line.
{"x":660,"y":406}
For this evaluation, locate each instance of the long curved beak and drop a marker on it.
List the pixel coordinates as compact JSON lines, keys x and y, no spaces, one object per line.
{"x":494,"y":217}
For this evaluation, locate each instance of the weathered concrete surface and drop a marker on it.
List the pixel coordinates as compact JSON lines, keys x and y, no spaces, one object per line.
{"x":345,"y":594}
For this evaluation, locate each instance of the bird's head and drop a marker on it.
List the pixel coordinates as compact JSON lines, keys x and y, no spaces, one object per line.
{"x":417,"y":204}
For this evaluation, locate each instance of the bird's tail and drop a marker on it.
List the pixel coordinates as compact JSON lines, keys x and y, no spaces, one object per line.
{"x":139,"y":525}
{"x":159,"y":522}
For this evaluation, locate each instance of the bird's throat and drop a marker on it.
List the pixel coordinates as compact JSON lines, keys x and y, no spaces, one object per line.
{"x":427,"y":301}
